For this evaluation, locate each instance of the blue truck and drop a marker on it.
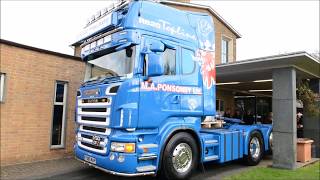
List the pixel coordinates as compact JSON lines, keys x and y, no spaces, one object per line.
{"x":148,"y":104}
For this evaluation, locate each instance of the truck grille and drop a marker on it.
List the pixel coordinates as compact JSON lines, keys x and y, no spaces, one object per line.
{"x":95,"y":130}
{"x":94,"y":118}
{"x":94,"y":111}
{"x":93,"y":143}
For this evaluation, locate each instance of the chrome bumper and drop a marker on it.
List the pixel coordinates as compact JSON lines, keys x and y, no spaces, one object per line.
{"x":117,"y":173}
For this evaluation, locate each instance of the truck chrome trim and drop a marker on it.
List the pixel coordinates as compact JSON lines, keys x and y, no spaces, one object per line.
{"x":211,"y":141}
{"x":102,"y":144}
{"x":100,"y":36}
{"x":211,"y":158}
{"x":104,"y":151}
{"x":107,"y":131}
{"x":117,"y":173}
{"x":98,"y":104}
{"x":90,"y":141}
{"x":146,"y":168}
{"x":84,"y":122}
{"x":147,"y":156}
{"x":142,"y":146}
{"x":93,"y":113}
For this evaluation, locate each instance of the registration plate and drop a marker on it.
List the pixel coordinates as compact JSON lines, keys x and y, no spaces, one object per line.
{"x":90,"y":159}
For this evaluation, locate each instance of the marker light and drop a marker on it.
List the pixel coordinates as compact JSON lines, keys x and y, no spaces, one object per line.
{"x":123,"y":147}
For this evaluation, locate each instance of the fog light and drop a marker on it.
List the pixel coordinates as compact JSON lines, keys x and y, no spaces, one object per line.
{"x":121,"y":158}
{"x":111,"y":157}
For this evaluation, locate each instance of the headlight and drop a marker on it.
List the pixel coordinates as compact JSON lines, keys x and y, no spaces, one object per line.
{"x":123,"y":147}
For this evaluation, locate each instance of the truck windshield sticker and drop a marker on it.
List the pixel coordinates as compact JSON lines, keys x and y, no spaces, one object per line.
{"x":166,"y":26}
{"x":170,"y":88}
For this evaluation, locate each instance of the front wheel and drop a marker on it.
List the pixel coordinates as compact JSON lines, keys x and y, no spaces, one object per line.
{"x":255,"y":149}
{"x":180,"y":157}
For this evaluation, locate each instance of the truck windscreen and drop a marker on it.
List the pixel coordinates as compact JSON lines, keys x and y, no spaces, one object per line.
{"x":119,"y":63}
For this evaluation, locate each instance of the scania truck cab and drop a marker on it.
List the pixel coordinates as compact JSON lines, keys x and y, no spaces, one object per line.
{"x":147,"y":106}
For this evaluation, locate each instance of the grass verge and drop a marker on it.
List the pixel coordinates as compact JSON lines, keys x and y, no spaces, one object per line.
{"x":310,"y":172}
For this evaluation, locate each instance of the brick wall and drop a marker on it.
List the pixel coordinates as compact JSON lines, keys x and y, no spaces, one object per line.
{"x":26,"y":114}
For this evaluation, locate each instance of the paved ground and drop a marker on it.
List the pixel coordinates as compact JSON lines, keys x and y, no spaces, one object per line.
{"x":71,"y":169}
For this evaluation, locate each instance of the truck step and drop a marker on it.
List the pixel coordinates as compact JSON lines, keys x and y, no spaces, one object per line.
{"x":211,"y":158}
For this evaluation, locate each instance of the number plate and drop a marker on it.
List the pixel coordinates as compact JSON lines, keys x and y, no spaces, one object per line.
{"x":90,"y":159}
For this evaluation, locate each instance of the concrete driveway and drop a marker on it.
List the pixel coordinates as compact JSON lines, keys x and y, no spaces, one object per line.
{"x":212,"y":171}
{"x":72,"y":169}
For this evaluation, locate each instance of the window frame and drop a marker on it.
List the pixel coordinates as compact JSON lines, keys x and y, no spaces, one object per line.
{"x":181,"y":61}
{"x":218,"y":105}
{"x":3,"y":77}
{"x":230,"y":49}
{"x":226,"y":54}
{"x":64,"y":115}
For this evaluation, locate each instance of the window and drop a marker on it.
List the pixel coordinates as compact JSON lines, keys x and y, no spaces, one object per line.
{"x":188,"y":64}
{"x":169,"y":61}
{"x":59,"y":115}
{"x":224,"y":51}
{"x":2,"y":86}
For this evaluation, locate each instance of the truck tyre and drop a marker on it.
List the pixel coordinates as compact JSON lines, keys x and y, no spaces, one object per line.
{"x":255,"y":149}
{"x":180,"y":157}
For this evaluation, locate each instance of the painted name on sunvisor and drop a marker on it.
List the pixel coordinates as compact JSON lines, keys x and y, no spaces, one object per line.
{"x":170,"y":88}
{"x":166,"y":26}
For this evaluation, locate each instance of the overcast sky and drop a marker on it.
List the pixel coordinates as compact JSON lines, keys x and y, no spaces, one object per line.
{"x":267,"y":27}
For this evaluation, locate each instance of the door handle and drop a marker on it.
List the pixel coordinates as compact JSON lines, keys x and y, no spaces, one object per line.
{"x":176,"y":99}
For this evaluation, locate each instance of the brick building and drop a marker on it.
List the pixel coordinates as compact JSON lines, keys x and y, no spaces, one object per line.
{"x":39,"y":91}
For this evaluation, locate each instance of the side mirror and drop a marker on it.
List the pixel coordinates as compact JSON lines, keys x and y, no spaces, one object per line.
{"x":154,"y":65}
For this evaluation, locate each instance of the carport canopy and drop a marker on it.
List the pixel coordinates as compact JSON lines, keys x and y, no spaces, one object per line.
{"x":273,"y":76}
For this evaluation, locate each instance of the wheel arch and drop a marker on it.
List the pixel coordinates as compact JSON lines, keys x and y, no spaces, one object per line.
{"x":175,"y":131}
{"x":247,"y":139}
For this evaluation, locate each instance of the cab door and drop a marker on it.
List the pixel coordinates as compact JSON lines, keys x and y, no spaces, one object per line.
{"x":192,"y":101}
{"x":160,"y":99}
